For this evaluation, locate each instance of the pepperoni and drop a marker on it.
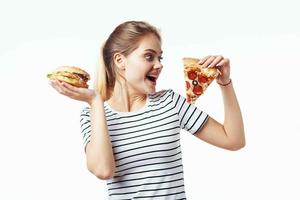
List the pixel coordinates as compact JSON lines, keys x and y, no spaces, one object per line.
{"x":202,"y":79}
{"x":192,"y":75}
{"x":188,"y":85}
{"x":197,"y":90}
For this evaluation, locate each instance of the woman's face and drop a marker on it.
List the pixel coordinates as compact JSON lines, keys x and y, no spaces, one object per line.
{"x":143,"y":65}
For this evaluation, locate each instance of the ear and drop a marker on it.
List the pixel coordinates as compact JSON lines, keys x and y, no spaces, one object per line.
{"x":119,"y":60}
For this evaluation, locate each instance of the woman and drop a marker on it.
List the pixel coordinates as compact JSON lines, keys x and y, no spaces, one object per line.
{"x":131,"y":132}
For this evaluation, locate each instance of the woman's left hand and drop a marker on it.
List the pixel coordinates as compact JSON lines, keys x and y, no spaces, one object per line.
{"x":223,"y":64}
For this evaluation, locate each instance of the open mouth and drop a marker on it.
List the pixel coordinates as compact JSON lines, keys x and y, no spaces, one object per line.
{"x":151,"y":78}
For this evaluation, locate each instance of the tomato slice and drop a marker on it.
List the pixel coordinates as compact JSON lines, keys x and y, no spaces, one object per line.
{"x":192,"y":75}
{"x":197,"y":90}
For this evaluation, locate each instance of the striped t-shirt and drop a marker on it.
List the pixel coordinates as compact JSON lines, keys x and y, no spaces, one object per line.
{"x":146,"y":146}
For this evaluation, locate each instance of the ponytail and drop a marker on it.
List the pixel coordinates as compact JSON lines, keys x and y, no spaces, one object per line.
{"x":104,"y":80}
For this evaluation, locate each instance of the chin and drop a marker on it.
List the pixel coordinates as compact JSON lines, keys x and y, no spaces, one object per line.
{"x":151,"y":90}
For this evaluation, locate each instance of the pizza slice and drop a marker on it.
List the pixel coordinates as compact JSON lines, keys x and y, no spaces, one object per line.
{"x":197,"y":79}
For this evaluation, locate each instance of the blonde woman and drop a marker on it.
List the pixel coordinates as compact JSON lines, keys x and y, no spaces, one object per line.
{"x":131,"y":131}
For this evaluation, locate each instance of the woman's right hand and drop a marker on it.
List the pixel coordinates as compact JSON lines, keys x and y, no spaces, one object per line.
{"x":80,"y":94}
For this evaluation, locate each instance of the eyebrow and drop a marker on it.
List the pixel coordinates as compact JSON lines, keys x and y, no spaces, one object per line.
{"x":153,"y":51}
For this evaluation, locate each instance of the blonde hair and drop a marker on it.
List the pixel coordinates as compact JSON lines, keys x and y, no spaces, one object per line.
{"x":124,"y":39}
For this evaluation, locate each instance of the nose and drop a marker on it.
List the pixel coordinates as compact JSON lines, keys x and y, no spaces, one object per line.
{"x":158,"y":65}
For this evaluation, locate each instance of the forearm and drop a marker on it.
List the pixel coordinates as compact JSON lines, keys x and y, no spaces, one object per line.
{"x":233,"y":121}
{"x":100,"y":159}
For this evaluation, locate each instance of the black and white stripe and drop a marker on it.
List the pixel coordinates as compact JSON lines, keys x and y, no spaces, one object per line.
{"x":146,"y":146}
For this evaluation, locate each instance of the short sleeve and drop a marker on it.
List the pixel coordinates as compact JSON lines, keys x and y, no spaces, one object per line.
{"x":191,"y":118}
{"x":85,"y":126}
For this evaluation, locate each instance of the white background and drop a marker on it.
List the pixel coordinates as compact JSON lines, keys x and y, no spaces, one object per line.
{"x":41,"y":152}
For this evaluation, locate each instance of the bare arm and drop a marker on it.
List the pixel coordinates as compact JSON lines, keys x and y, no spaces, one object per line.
{"x":100,"y":158}
{"x":99,"y":153}
{"x":229,"y":135}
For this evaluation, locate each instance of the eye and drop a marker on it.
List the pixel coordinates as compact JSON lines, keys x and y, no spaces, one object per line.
{"x":160,"y":58}
{"x":149,"y":57}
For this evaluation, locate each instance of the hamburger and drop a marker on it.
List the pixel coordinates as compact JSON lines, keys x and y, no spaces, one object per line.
{"x":72,"y":75}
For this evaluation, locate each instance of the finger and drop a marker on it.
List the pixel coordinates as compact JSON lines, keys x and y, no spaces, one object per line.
{"x":66,"y":91}
{"x":216,"y":61}
{"x":69,"y":87}
{"x":202,"y":60}
{"x":51,"y":82}
{"x":208,"y":61}
{"x":55,"y":85}
{"x":223,"y":62}
{"x":73,"y":91}
{"x":58,"y":86}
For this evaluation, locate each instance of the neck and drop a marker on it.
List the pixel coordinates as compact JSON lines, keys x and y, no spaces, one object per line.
{"x":124,"y":99}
